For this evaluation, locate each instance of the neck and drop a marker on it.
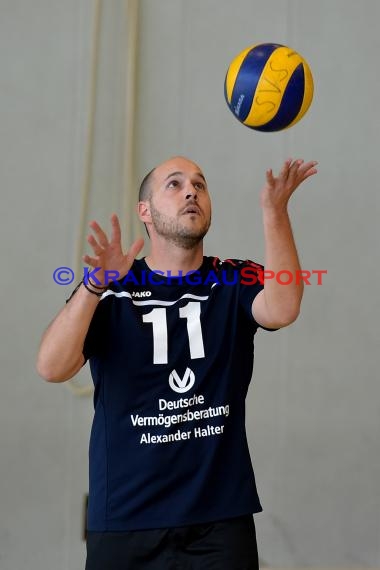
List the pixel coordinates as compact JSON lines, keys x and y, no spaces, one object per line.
{"x":166,"y":257}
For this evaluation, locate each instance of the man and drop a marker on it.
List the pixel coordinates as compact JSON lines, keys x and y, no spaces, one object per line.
{"x":170,"y":344}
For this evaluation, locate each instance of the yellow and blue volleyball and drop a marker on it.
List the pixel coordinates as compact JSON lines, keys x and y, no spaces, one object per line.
{"x":269,"y":87}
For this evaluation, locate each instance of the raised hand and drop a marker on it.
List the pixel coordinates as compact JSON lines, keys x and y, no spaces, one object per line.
{"x":108,"y":255}
{"x":277,"y":190}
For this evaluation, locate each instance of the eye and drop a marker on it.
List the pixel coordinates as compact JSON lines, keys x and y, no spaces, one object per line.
{"x":172,"y":184}
{"x":199,"y":186}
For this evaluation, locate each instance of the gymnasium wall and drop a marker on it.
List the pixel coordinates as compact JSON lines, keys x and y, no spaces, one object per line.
{"x":94,"y":93}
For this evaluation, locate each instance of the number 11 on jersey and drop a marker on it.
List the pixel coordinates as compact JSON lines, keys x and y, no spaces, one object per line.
{"x":192,"y":313}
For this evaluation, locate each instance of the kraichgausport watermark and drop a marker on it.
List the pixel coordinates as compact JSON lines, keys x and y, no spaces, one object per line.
{"x":246,"y":276}
{"x":63,"y":275}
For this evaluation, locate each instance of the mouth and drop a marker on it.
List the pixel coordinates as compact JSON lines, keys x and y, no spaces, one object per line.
{"x":192,"y":210}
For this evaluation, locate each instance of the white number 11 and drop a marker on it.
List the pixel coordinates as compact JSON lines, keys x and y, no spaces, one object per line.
{"x":192,"y":313}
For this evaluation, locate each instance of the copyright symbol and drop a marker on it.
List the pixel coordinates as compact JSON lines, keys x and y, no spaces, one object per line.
{"x":63,"y":275}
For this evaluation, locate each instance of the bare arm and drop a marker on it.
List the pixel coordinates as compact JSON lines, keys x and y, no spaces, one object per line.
{"x":60,"y":355}
{"x":278,"y":305}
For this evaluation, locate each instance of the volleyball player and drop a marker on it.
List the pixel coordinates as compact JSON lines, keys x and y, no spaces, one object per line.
{"x":170,"y":346}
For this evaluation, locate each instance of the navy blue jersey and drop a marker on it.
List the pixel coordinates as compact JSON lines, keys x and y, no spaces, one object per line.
{"x":171,"y":360}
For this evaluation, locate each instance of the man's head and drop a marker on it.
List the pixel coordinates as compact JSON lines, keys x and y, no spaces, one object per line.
{"x":174,"y":202}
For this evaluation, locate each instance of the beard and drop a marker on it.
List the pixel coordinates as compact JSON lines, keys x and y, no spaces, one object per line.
{"x":176,"y":232}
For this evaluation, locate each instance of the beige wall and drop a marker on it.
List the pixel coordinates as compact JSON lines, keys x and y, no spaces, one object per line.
{"x":313,"y":408}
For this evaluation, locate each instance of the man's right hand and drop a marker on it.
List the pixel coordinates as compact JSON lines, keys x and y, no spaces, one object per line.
{"x":108,"y":255}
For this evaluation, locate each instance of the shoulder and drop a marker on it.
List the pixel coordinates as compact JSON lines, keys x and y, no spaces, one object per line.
{"x":232,"y":264}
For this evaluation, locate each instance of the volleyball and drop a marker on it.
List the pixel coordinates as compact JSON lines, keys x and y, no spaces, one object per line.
{"x":269,"y":87}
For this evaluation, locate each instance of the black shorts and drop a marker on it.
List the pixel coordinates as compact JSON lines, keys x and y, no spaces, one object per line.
{"x":224,"y":545}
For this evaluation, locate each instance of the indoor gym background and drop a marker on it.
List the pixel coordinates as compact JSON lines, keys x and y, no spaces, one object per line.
{"x":93,"y":94}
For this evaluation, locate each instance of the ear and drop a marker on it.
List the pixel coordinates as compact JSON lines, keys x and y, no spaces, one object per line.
{"x":143,"y":211}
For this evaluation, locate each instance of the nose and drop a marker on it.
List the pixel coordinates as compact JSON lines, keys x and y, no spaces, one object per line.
{"x":191,"y":192}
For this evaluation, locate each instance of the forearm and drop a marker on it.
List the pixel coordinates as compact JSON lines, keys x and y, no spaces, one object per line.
{"x":283,"y":292}
{"x":60,"y":354}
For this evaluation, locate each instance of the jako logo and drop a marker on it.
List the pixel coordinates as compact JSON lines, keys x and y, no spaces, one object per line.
{"x":183,"y":384}
{"x":140,"y":294}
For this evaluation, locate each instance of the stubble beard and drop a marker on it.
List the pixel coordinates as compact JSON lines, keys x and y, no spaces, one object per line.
{"x":176,"y":233}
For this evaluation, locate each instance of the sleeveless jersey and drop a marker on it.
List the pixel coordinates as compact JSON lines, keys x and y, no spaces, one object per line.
{"x":171,"y":360}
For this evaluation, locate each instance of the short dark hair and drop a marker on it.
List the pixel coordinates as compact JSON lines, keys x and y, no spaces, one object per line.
{"x":145,"y":191}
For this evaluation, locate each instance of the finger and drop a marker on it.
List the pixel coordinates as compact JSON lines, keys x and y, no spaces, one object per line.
{"x":135,"y":248}
{"x":285,"y":169}
{"x":310,"y":172}
{"x":115,"y":231}
{"x":310,"y":165}
{"x":270,"y":177}
{"x":131,"y":254}
{"x":308,"y":169}
{"x":97,"y":248}
{"x":295,"y":170}
{"x":100,"y":234}
{"x":297,"y":164}
{"x":93,"y":261}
